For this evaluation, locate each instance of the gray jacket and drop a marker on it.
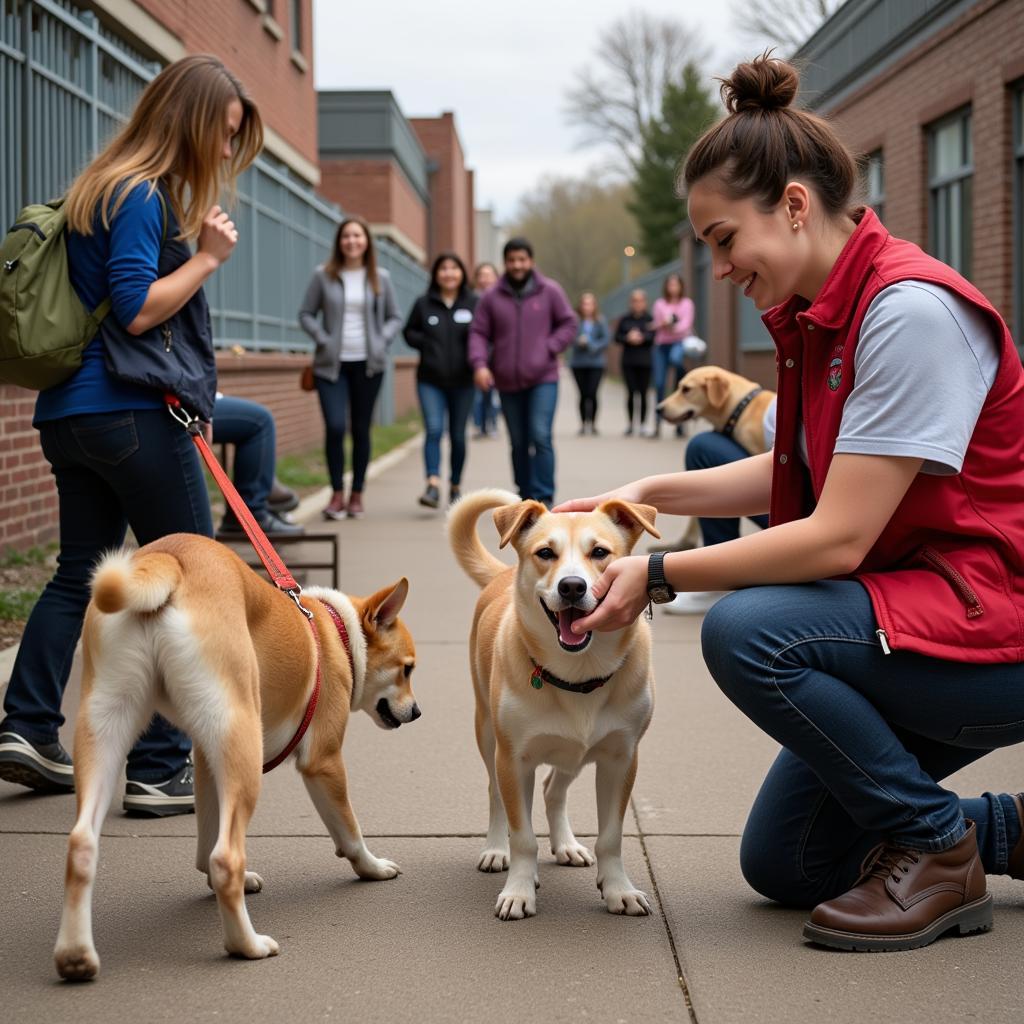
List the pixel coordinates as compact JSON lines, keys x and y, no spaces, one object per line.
{"x":326,"y":296}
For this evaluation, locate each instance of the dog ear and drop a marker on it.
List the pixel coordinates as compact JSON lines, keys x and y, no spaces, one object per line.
{"x":513,"y":519}
{"x":383,"y":607}
{"x":717,"y":389}
{"x":634,"y":519}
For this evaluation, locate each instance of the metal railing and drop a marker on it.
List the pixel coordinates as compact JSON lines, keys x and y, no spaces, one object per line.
{"x":67,"y":84}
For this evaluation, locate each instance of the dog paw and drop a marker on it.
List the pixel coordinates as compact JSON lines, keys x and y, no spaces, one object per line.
{"x":573,"y":854}
{"x":516,"y":902}
{"x":376,"y":869}
{"x":258,"y":947}
{"x":77,"y":963}
{"x":493,"y":859}
{"x":628,"y":901}
{"x":253,"y":882}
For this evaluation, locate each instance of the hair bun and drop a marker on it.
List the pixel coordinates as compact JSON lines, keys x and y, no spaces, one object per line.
{"x":764,"y":83}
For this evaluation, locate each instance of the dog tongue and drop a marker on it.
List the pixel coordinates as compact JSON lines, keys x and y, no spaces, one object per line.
{"x":566,"y":618}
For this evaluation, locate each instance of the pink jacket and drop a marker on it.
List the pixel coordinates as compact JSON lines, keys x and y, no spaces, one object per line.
{"x":683,"y":327}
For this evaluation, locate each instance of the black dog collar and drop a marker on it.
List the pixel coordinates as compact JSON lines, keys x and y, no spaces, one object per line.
{"x":730,"y":424}
{"x":540,"y":676}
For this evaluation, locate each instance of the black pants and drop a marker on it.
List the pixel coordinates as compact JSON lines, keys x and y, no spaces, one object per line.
{"x":638,"y":383}
{"x":348,"y":401}
{"x":588,"y":380}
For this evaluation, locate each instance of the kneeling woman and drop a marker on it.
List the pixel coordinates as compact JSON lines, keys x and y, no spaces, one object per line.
{"x":878,"y":633}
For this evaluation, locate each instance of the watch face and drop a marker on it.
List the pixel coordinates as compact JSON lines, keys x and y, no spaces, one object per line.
{"x":661,"y":594}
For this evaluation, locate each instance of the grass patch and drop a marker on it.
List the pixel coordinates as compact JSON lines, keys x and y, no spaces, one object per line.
{"x":23,"y":574}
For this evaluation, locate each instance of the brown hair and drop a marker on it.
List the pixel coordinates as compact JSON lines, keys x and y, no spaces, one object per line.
{"x":336,"y":262}
{"x":682,"y":286}
{"x":579,"y":305}
{"x":764,"y":142}
{"x":176,"y":132}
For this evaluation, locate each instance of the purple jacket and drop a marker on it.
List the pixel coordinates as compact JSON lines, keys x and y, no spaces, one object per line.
{"x":520,"y":338}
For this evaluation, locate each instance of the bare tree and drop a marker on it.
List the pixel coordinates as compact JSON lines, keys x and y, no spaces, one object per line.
{"x":787,"y":24}
{"x":615,"y":97}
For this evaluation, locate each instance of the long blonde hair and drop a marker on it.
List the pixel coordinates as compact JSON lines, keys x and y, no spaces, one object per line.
{"x":176,"y":132}
{"x":336,"y":262}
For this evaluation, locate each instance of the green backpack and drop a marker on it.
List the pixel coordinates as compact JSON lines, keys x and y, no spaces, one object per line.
{"x":43,"y":324}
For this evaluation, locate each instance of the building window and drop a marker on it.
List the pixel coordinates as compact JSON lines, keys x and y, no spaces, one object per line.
{"x":950,"y":169}
{"x":874,"y":182}
{"x":295,"y":14}
{"x":701,"y":288}
{"x":1018,"y":216}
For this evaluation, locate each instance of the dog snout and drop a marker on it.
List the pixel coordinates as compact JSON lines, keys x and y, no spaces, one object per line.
{"x":415,"y":713}
{"x":572,"y":588}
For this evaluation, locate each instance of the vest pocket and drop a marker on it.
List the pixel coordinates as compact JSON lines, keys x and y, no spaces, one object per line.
{"x":963,"y":590}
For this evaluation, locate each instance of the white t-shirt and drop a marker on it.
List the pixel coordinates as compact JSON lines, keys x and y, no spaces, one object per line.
{"x":924,"y":364}
{"x":353,"y":328}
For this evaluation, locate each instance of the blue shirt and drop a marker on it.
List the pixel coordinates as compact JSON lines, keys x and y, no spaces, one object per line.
{"x":120,"y":262}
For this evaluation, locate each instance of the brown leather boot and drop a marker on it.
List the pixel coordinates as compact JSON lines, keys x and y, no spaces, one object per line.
{"x":1015,"y":866}
{"x":906,"y":899}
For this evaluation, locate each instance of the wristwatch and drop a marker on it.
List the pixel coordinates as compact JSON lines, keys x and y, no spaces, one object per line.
{"x":659,"y":590}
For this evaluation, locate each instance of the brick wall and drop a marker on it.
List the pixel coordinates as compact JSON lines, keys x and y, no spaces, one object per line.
{"x":451,"y":199}
{"x":234,"y":30}
{"x":28,"y":499}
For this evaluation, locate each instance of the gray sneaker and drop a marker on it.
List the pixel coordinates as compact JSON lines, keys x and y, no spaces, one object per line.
{"x":161,"y":799}
{"x":45,"y":767}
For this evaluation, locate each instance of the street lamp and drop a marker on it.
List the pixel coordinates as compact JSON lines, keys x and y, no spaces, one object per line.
{"x":627,"y":254}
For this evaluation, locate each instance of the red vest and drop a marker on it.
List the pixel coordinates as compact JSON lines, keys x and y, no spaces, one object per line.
{"x":946,"y":577}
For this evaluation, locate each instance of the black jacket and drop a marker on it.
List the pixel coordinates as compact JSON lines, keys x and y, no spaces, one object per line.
{"x":176,"y":356}
{"x":636,"y":356}
{"x":441,"y":336}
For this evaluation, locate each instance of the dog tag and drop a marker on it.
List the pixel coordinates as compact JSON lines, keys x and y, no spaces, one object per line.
{"x":536,"y":681}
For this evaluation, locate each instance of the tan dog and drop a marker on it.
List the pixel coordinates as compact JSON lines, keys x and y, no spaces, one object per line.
{"x":184,"y":627}
{"x":523,"y":655}
{"x":713,"y":393}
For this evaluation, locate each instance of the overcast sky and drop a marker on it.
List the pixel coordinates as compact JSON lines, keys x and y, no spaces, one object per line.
{"x":502,"y":66}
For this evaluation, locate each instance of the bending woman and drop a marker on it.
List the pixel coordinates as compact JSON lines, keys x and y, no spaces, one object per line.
{"x":875,"y":632}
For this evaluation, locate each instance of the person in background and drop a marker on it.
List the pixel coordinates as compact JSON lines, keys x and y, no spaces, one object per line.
{"x":635,"y":333}
{"x":587,"y":358}
{"x":485,"y":403}
{"x":673,"y":315}
{"x":438,"y":328}
{"x":118,"y":458}
{"x":349,"y":310}
{"x":521,"y":327}
{"x":249,"y":426}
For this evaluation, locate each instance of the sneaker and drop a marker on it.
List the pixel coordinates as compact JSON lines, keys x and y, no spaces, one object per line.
{"x":45,"y":767}
{"x":628,"y":432}
{"x":431,"y":497}
{"x":162,"y":799}
{"x":454,"y":493}
{"x":282,"y":498}
{"x":695,"y":602}
{"x":355,"y":505}
{"x":336,"y":507}
{"x":269,"y":522}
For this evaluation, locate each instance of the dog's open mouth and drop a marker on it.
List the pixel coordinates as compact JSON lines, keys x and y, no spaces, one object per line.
{"x":562,"y":621}
{"x":681,"y":417}
{"x":384,"y":712}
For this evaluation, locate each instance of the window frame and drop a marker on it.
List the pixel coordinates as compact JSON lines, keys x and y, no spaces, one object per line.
{"x":941,"y":187}
{"x":876,"y":200}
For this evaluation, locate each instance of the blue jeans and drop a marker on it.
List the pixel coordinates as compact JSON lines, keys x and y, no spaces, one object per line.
{"x":704,"y":451}
{"x":348,"y":401}
{"x":867,"y":737}
{"x":485,"y":410}
{"x":250,"y":428}
{"x":112,"y":470}
{"x":666,"y":357}
{"x":529,"y":415}
{"x":436,"y":403}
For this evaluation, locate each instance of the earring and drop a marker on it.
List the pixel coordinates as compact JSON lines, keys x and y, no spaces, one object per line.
{"x":796,"y":225}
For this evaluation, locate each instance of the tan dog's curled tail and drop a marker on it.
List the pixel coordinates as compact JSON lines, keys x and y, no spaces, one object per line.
{"x":139,"y":583}
{"x":479,"y":564}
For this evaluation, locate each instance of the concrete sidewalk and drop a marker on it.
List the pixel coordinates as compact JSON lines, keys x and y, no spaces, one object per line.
{"x":426,"y":946}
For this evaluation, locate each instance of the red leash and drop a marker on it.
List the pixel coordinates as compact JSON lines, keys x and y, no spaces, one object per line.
{"x":279,"y":574}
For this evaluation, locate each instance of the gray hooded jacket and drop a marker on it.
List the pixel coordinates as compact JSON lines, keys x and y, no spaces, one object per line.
{"x":323,"y":313}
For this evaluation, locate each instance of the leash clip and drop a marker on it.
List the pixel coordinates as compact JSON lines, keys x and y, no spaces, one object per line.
{"x":294,"y":594}
{"x":649,"y":612}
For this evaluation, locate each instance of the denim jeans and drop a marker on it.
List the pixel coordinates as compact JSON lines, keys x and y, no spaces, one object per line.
{"x":663,"y":362}
{"x":437,"y":402}
{"x":529,"y":416}
{"x":348,"y":401}
{"x":867,"y":737}
{"x":112,"y":470}
{"x":250,"y":428}
{"x":704,"y":451}
{"x":485,"y":410}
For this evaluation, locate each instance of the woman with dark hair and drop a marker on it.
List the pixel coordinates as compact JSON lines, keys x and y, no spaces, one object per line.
{"x":349,"y":310}
{"x":875,"y":629}
{"x":587,"y":358}
{"x":635,"y":333}
{"x":673,"y":322}
{"x":438,"y":328}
